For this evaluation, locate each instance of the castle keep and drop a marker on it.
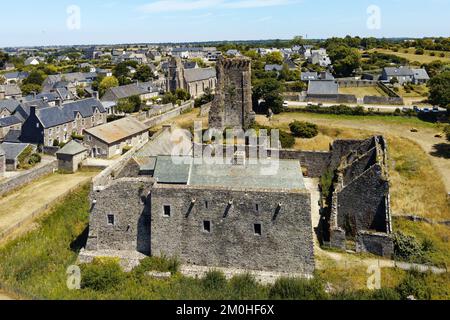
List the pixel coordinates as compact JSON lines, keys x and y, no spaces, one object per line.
{"x":232,"y":106}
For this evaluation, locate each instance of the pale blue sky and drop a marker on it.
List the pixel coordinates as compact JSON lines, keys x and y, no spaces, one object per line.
{"x":44,"y":22}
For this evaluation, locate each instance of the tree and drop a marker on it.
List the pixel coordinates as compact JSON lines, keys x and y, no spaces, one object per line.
{"x":345,"y":60}
{"x":35,"y":77}
{"x":106,"y":83}
{"x":182,"y":94}
{"x":30,"y":88}
{"x":136,"y":102}
{"x":144,"y":73}
{"x":274,"y":58}
{"x":269,"y":90}
{"x":440,"y":90}
{"x":124,"y":105}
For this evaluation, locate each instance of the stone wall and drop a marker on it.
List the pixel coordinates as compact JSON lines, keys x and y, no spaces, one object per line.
{"x":376,"y":243}
{"x":232,"y":106}
{"x":157,"y":120}
{"x":285,"y":243}
{"x":353,"y":83}
{"x":28,"y":177}
{"x":2,"y":164}
{"x":127,"y":201}
{"x":383,"y":100}
{"x":333,"y":98}
{"x":204,"y":109}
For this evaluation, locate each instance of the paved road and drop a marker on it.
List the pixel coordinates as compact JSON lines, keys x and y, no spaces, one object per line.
{"x":386,"y":108}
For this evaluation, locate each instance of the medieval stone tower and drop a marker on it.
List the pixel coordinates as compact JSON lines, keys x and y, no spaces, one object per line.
{"x":232,"y":106}
{"x":175,"y":79}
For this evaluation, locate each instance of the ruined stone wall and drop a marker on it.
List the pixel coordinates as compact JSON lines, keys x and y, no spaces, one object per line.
{"x":376,"y":243}
{"x":127,"y":200}
{"x":383,"y":100}
{"x":342,"y":148}
{"x":285,"y":244}
{"x":362,"y":204}
{"x":2,"y":165}
{"x":232,"y":106}
{"x":359,"y":166}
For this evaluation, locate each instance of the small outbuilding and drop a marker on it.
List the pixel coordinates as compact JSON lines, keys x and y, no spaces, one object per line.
{"x":71,"y":156}
{"x":12,"y":153}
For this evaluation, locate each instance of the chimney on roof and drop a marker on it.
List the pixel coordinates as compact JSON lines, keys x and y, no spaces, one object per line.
{"x":32,"y":110}
{"x":58,"y":102}
{"x":95,"y":95}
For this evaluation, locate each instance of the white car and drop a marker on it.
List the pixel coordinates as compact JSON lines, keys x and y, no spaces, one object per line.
{"x":285,"y":104}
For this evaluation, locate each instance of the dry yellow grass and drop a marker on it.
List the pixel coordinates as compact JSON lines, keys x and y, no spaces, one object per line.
{"x":412,"y":57}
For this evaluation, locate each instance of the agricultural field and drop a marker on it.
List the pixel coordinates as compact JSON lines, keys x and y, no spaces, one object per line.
{"x":412,"y":57}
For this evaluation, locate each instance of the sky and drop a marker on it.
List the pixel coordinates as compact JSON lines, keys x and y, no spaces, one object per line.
{"x":63,"y":22}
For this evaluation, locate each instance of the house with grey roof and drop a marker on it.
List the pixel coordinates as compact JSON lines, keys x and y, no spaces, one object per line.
{"x":10,"y":91}
{"x":74,"y":78}
{"x":110,"y":139}
{"x":47,"y":125}
{"x":323,"y":88}
{"x":145,"y":90}
{"x":273,"y":67}
{"x":32,"y":61}
{"x":12,"y":153}
{"x":9,"y":123}
{"x":404,"y":75}
{"x":8,"y":107}
{"x":15,"y":77}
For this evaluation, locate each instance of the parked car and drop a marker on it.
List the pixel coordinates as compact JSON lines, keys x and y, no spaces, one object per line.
{"x":426,"y":110}
{"x":435,"y":109}
{"x":285,"y":104}
{"x":416,"y":109}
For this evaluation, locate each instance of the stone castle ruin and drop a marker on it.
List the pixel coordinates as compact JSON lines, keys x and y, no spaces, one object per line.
{"x":231,"y":215}
{"x":232,"y":106}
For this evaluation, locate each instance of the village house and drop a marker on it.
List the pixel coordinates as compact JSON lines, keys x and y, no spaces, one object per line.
{"x":111,"y":139}
{"x":10,"y":91}
{"x":15,"y":77}
{"x":8,"y":107}
{"x":404,"y":75}
{"x":7,"y":124}
{"x":320,"y":57}
{"x":75,"y":79}
{"x":12,"y":154}
{"x":145,"y":90}
{"x":57,"y":124}
{"x":32,"y":61}
{"x":322,"y":88}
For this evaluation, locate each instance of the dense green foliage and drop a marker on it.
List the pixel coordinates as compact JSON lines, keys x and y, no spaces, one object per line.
{"x":305,"y":130}
{"x":440,"y":89}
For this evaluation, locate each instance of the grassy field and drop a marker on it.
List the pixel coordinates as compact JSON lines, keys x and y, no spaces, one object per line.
{"x":363,"y":91}
{"x":412,"y":57}
{"x":17,"y":206}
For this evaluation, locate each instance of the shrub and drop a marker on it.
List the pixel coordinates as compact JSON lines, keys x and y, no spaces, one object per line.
{"x":287,"y":140}
{"x":56,"y":143}
{"x":244,"y":287}
{"x":442,"y":55}
{"x":159,"y":264}
{"x":34,"y":159}
{"x":414,"y":284}
{"x":304,"y":129}
{"x":407,"y":248}
{"x":420,"y":51}
{"x":102,"y":275}
{"x":433,"y":54}
{"x":214,"y":280}
{"x":297,"y":289}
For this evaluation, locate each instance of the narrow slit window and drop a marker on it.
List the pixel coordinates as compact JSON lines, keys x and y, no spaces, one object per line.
{"x":167,"y":211}
{"x":258,"y":229}
{"x":207,"y":226}
{"x":111,"y":219}
{"x":257,"y":207}
{"x":206,"y":205}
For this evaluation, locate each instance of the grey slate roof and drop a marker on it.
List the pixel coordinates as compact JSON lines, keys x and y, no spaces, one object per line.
{"x":13,"y":150}
{"x":72,"y":148}
{"x":16,"y":75}
{"x":306,"y":76}
{"x":11,"y":89}
{"x":396,"y":72}
{"x":54,"y":116}
{"x":13,"y":136}
{"x":199,"y":74}
{"x":9,"y":121}
{"x":420,"y":74}
{"x":273,"y":67}
{"x":134,"y":89}
{"x":2,"y":152}
{"x":9,"y":104}
{"x":323,"y":87}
